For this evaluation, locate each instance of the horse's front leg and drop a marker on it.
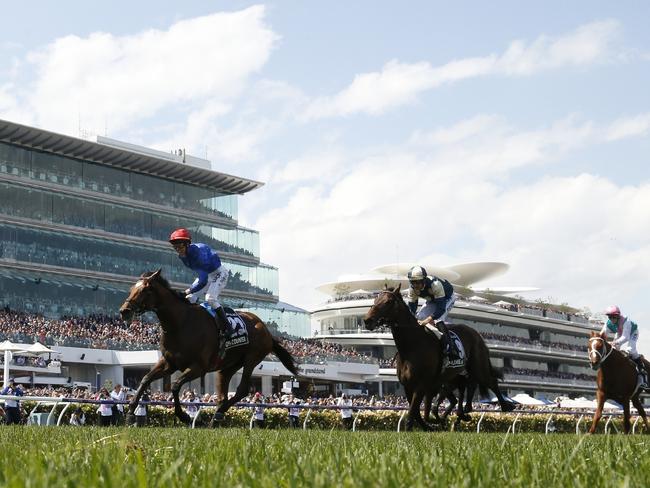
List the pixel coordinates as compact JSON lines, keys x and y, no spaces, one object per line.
{"x":471,"y":388}
{"x":188,"y":374}
{"x":159,"y":370}
{"x":600,"y":397}
{"x":460,"y":414}
{"x":452,"y":403}
{"x":627,"y":426}
{"x":414,"y":411}
{"x":428,"y":400}
{"x":639,"y":407}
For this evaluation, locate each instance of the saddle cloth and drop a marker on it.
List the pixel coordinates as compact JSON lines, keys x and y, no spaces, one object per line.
{"x":236,"y":331}
{"x":456,"y":357}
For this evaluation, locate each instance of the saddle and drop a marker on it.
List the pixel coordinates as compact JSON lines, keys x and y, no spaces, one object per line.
{"x":455,"y":356}
{"x":236,"y":331}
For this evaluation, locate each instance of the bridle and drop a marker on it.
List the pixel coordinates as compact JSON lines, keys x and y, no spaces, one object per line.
{"x":593,"y":351}
{"x":382,"y":322}
{"x":137,"y":309}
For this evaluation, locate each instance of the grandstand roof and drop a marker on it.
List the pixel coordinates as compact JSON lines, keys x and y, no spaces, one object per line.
{"x":464,"y":274}
{"x":125,"y":156}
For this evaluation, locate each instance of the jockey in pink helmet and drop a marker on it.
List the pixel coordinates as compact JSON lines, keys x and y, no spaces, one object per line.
{"x":626,"y":334}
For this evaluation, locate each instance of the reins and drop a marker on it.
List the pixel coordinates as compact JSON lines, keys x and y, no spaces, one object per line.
{"x":593,"y":350}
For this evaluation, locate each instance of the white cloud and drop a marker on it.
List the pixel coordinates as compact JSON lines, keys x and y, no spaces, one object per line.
{"x":126,"y":79}
{"x":623,"y":128}
{"x":400,"y":83}
{"x":438,"y":195}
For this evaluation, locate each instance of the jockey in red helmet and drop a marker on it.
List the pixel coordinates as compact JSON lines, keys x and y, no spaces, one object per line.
{"x":626,"y":334}
{"x":439,"y":298}
{"x":212,"y":276}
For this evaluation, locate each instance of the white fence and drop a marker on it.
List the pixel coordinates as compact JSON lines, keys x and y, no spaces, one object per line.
{"x":53,"y":402}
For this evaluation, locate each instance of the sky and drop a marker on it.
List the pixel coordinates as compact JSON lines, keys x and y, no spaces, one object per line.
{"x":432,"y":132}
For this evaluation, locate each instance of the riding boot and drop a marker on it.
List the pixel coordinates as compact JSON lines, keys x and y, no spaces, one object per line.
{"x":445,"y":340}
{"x":640,"y":368}
{"x":221,"y":321}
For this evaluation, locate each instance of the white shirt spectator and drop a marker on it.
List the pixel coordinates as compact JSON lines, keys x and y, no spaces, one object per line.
{"x":346,"y":413}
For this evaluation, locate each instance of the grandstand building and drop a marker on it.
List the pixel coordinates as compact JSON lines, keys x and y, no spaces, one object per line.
{"x":541,"y":348}
{"x":80,"y":220}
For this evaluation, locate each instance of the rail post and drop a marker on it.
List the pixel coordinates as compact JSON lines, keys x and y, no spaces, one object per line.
{"x":514,"y":422}
{"x":399,"y":424}
{"x":354,"y":423}
{"x":634,"y":425}
{"x":33,"y":410}
{"x":578,"y":424}
{"x":58,"y":421}
{"x":547,"y":428}
{"x":198,"y":412}
{"x":478,"y":424}
{"x":51,"y":415}
{"x":304,"y":424}
{"x":609,"y":419}
{"x":250,"y":424}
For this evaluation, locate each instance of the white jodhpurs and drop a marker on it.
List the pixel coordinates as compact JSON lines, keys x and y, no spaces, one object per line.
{"x":629,"y":347}
{"x":217,"y":281}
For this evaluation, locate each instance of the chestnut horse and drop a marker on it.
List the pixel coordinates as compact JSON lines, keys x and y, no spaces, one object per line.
{"x":616,"y":379}
{"x":419,"y":362}
{"x":189,"y":340}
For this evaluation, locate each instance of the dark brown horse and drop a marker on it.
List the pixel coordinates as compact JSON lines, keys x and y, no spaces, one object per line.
{"x":463,"y":387}
{"x":616,"y":379}
{"x":419,"y":363}
{"x":188,"y":343}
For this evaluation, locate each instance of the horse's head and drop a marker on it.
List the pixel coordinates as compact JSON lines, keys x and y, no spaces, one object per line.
{"x":141,"y":298}
{"x":385,"y":310}
{"x":598,"y":349}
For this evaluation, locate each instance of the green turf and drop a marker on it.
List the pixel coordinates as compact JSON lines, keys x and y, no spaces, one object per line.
{"x":123,"y":457}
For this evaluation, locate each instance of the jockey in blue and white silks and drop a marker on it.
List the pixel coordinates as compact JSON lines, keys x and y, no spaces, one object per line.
{"x":626,"y":335}
{"x":439,"y":299}
{"x":211,"y":279}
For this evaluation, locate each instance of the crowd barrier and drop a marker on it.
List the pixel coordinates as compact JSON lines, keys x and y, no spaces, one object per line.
{"x":55,"y":401}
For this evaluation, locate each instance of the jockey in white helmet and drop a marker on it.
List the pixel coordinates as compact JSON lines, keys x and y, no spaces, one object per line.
{"x":439,"y":298}
{"x":626,"y":334}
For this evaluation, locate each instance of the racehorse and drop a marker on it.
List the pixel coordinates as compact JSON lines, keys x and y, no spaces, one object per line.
{"x":419,"y":362}
{"x":447,"y":392}
{"x":616,"y":379}
{"x":189,"y":341}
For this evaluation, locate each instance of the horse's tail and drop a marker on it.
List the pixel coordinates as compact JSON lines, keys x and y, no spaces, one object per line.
{"x":497,"y":374}
{"x":285,"y":357}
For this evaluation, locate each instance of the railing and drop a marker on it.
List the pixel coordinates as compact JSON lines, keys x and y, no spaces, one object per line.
{"x":54,"y":402}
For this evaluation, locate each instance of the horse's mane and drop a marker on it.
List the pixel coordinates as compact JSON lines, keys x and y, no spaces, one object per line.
{"x":159,"y":279}
{"x":393,"y":290}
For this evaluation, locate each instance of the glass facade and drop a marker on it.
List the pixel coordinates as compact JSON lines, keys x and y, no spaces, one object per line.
{"x":36,"y":204}
{"x":72,"y":173}
{"x":58,"y":199}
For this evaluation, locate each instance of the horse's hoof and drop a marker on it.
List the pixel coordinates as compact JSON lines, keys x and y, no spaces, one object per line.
{"x":507,"y":407}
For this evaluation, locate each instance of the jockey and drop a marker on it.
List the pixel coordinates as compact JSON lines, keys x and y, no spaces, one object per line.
{"x":626,"y":333}
{"x":211,"y":280}
{"x":439,"y":296}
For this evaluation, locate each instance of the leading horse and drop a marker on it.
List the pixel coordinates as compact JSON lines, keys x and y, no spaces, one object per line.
{"x":189,"y":340}
{"x":419,"y":363}
{"x":616,"y":379}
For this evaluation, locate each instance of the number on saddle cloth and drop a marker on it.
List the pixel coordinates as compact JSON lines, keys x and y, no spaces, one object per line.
{"x":237,"y":334}
{"x":457,"y":352}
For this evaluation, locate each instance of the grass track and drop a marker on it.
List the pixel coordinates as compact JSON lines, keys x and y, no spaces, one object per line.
{"x":121,"y":457}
